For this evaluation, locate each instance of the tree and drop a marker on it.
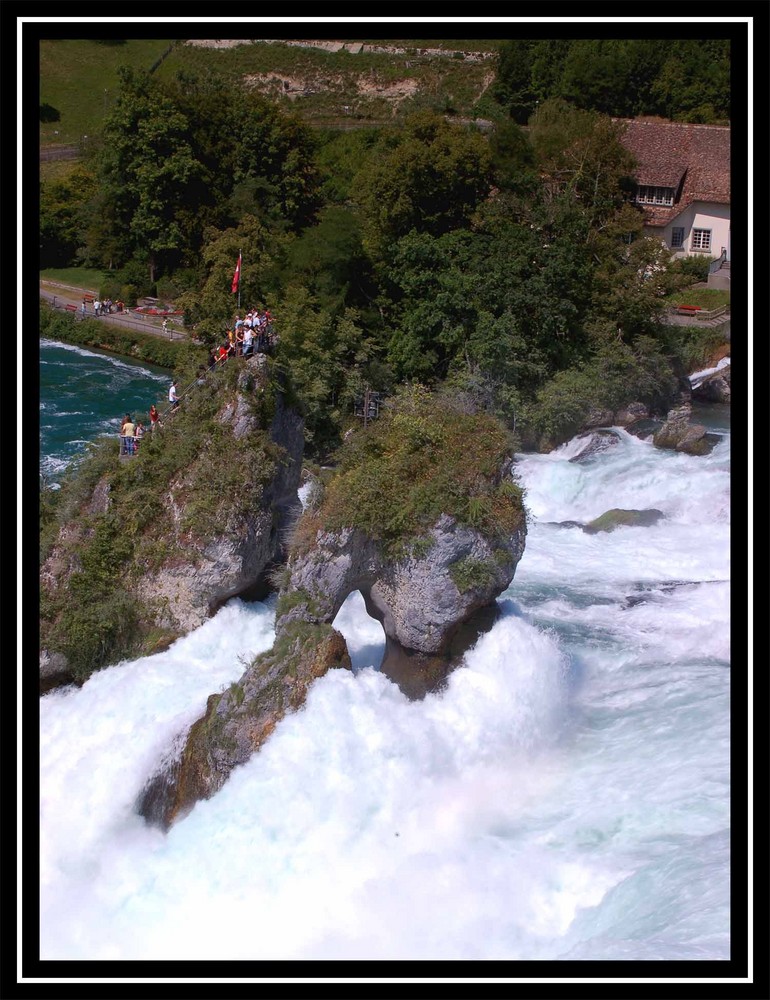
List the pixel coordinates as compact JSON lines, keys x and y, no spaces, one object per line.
{"x":278,"y":149}
{"x":64,"y":217}
{"x":147,"y":166}
{"x":212,"y":310}
{"x":513,"y":83}
{"x":694,"y":82}
{"x":580,"y":154}
{"x":430,"y":178}
{"x":436,"y":307}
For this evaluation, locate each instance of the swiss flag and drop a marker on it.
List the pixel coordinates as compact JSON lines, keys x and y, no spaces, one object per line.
{"x":237,"y":275}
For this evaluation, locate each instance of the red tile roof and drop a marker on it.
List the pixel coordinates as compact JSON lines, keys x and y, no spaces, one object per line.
{"x":667,"y":151}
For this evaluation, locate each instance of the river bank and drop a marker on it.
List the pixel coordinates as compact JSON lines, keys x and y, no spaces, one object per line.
{"x":109,"y":335}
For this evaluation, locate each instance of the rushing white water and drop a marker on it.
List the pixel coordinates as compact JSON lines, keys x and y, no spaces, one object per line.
{"x":565,"y":796}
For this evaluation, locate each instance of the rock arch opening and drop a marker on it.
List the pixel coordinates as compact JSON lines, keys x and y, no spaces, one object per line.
{"x":363,"y":633}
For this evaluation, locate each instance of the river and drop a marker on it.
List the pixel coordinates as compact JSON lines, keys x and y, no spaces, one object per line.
{"x":565,"y":796}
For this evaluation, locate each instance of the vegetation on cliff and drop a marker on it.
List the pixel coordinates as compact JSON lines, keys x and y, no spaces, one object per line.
{"x":429,"y":454}
{"x":115,"y":521}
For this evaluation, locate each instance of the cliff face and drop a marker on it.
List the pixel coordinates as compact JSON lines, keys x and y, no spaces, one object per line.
{"x":423,"y":582}
{"x":160,"y":541}
{"x":230,"y":557}
{"x":420,"y":599}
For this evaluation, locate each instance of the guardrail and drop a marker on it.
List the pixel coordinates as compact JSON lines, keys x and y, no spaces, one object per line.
{"x":127,"y":318}
{"x":715,"y":265}
{"x":712,"y":313}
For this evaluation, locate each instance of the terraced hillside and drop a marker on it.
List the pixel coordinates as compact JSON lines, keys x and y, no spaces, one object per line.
{"x":343,"y":84}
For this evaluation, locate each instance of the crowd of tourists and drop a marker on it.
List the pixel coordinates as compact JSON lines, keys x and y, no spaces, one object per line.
{"x":103,"y":307}
{"x":252,"y":334}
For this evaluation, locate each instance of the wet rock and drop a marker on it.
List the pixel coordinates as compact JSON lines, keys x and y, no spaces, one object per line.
{"x":54,"y":671}
{"x":595,"y":444}
{"x":598,"y":417}
{"x":714,"y":388}
{"x":678,"y":434}
{"x":618,"y":517}
{"x":631,"y":414}
{"x":238,"y":721}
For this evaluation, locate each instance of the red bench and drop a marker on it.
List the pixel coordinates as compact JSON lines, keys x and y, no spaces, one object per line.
{"x":688,"y":309}
{"x":71,"y":309}
{"x":88,"y":297}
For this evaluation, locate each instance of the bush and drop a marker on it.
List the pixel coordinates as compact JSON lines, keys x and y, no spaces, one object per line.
{"x":129,"y":295}
{"x":694,"y":269}
{"x":415,"y":463}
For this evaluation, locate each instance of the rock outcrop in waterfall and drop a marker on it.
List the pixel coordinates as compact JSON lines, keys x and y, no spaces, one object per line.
{"x":422,"y":516}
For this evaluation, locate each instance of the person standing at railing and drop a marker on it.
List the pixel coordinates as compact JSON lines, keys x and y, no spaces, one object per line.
{"x":154,"y":417}
{"x":127,"y":436}
{"x":138,"y":435}
{"x":172,"y":396}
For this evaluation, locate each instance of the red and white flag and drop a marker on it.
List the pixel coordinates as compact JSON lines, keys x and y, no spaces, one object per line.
{"x":237,"y":275}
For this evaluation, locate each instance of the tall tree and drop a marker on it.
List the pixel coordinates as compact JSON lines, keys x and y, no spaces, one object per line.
{"x":430,"y":177}
{"x":513,"y":84}
{"x":148,"y":164}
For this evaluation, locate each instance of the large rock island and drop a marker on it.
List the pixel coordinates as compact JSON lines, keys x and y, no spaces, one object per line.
{"x":422,"y":516}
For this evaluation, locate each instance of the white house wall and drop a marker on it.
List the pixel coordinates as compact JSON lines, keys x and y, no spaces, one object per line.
{"x":699,"y":215}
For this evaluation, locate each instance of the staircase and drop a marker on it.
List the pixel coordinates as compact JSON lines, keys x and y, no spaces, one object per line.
{"x":720,"y":276}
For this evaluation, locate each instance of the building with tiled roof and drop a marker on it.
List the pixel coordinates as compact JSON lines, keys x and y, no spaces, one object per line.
{"x":683,"y":183}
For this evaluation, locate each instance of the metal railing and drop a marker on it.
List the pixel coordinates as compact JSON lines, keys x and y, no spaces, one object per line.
{"x":715,"y":265}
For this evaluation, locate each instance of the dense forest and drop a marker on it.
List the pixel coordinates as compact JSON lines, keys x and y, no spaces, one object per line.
{"x":508,"y":265}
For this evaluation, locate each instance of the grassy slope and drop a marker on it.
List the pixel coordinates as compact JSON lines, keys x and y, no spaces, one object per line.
{"x":74,"y":75}
{"x":334,"y":79}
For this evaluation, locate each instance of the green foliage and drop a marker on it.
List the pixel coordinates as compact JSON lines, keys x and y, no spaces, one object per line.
{"x":471,"y":574}
{"x":513,"y":83}
{"x":329,"y":359}
{"x":614,"y":374}
{"x":93,"y":333}
{"x":147,"y":164}
{"x":692,"y":269}
{"x":580,"y":155}
{"x":429,"y":177}
{"x":415,"y":463}
{"x":685,"y":79}
{"x":64,"y":208}
{"x":212,"y":309}
{"x":339,"y":158}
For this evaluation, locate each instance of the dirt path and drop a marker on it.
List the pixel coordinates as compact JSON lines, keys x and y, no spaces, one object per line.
{"x":61,"y":296}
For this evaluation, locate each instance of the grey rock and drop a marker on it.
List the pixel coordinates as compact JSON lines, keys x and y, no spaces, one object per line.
{"x":415,"y":598}
{"x":598,"y":417}
{"x":630,"y":414}
{"x":679,"y":434}
{"x":595,"y":444}
{"x":714,"y":388}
